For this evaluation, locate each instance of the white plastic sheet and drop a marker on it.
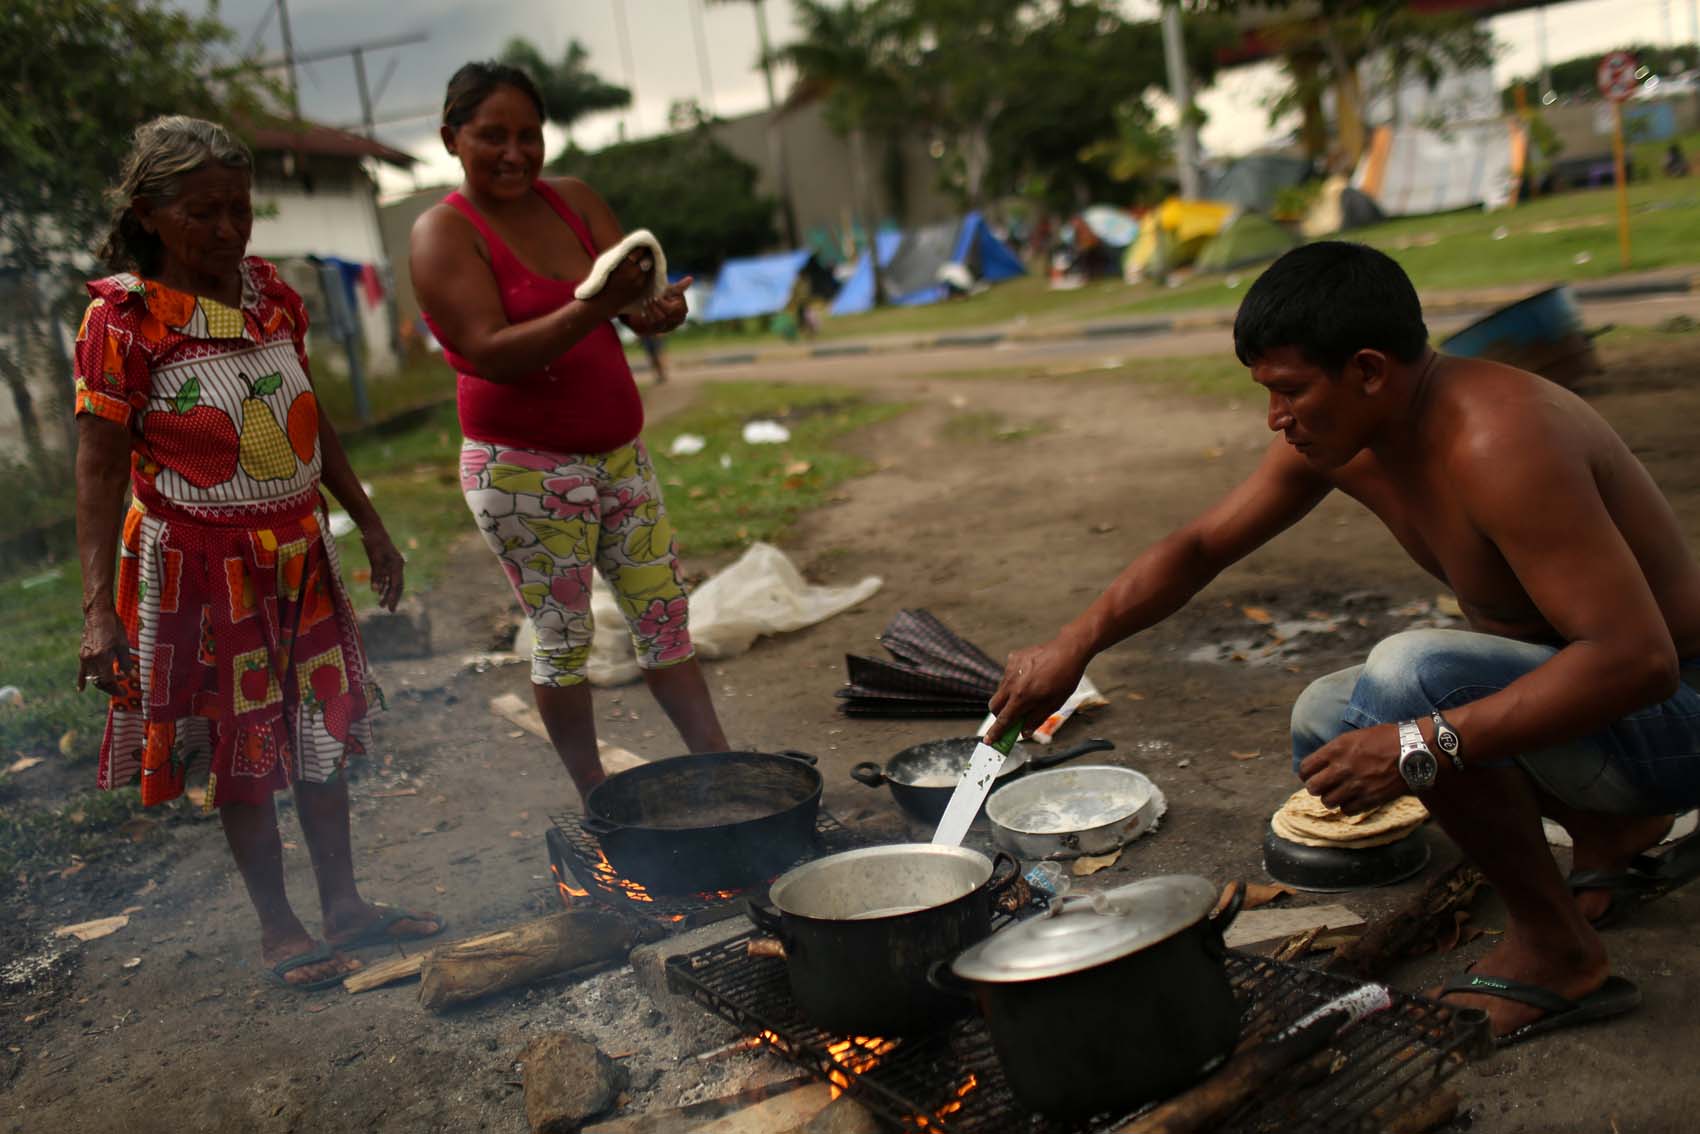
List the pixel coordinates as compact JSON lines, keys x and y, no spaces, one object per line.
{"x":761,"y":593}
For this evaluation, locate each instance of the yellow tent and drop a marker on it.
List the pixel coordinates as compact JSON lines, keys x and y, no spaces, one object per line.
{"x":1172,"y":235}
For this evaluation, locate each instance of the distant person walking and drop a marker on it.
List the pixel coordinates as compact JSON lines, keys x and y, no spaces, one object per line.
{"x":552,"y":465}
{"x":226,"y":640}
{"x":1676,"y":165}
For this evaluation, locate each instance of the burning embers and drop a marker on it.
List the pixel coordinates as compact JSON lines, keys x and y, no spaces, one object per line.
{"x":610,"y":882}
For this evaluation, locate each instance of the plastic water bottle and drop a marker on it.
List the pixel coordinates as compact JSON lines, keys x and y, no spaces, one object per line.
{"x":1049,"y":878}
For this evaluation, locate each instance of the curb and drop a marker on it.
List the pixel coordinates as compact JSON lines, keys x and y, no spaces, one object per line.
{"x":1141,"y":328}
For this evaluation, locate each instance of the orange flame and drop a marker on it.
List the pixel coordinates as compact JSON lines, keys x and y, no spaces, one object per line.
{"x":952,"y":1106}
{"x":858,"y":1055}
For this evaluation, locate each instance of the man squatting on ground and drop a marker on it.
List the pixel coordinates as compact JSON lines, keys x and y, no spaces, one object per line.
{"x":1575,"y":694}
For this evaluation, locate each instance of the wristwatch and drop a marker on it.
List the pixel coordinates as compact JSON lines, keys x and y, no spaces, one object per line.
{"x":1417,"y":763}
{"x":1446,"y":739}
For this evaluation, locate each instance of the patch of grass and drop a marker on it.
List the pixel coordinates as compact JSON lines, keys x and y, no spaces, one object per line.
{"x":1212,"y":375}
{"x":39,"y":838}
{"x":986,"y":426}
{"x":422,"y":381}
{"x":760,"y":490}
{"x":42,"y":613}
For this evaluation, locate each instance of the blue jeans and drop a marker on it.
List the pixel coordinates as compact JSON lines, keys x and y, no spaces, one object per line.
{"x":1645,"y":763}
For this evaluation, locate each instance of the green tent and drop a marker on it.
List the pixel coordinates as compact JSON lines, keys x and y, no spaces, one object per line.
{"x":1250,"y":238}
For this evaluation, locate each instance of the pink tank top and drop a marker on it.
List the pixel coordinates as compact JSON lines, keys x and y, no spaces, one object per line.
{"x":585,"y":401}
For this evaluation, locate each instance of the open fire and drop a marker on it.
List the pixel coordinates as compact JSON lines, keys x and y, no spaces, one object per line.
{"x":610,"y":881}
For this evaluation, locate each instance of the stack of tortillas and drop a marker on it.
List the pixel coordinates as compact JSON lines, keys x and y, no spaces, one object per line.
{"x":1306,"y":820}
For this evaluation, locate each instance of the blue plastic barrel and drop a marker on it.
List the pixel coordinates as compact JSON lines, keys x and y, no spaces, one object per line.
{"x":1542,"y":333}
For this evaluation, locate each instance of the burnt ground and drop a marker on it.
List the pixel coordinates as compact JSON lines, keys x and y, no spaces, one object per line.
{"x":1001,"y":538}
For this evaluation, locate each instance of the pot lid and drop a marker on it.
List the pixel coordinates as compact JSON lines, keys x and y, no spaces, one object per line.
{"x":1086,"y":930}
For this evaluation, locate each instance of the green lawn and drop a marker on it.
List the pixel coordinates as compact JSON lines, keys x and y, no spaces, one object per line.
{"x":1542,"y":241}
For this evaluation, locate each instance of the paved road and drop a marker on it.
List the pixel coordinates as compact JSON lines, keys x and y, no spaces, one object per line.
{"x":877,"y":368}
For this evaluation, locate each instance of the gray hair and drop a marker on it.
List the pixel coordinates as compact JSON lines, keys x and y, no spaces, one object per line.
{"x":161,"y":153}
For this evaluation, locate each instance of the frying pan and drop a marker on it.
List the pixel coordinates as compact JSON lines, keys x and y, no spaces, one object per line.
{"x":923,"y":777}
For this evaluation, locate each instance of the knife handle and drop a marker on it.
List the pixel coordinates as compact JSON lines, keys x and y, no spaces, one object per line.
{"x":1006,"y":743}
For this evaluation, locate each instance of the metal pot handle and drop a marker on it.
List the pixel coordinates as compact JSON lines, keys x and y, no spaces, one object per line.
{"x":868,"y":772}
{"x":940,"y":976}
{"x":793,"y":754}
{"x":1222,"y":919}
{"x":763,"y":919}
{"x":1053,"y":759}
{"x":598,"y":826}
{"x":994,"y":886}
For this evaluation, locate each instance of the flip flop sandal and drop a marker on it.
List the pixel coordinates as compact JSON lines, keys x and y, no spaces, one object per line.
{"x":317,"y":955}
{"x":1648,"y":876}
{"x":1613,"y":998}
{"x":378,"y":931}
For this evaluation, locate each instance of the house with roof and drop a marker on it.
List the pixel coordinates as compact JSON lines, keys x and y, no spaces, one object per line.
{"x":316,"y":217}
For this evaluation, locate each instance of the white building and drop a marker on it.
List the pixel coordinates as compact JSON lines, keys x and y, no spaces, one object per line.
{"x":315,"y":196}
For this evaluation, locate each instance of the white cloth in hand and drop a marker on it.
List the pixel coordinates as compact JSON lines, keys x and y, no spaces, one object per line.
{"x":609,"y":260}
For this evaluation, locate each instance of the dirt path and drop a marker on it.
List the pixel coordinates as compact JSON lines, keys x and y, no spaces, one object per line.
{"x":1001,"y":538}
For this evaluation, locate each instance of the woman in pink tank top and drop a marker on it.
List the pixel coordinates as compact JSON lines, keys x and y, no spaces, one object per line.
{"x":552,"y":466}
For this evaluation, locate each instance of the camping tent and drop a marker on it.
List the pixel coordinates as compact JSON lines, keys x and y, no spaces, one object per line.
{"x":857,"y":293}
{"x":1411,"y":171}
{"x":1253,"y":182}
{"x":912,"y":277}
{"x":1250,"y":238}
{"x":759,"y":285}
{"x":1173,"y":234}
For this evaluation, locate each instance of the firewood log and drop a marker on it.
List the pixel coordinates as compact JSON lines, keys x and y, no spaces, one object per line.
{"x":456,"y":973}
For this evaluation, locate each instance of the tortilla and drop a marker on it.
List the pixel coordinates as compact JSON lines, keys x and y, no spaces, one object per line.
{"x":1306,"y":820}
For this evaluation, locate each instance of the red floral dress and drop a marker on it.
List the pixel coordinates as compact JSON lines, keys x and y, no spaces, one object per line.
{"x":247,"y":660}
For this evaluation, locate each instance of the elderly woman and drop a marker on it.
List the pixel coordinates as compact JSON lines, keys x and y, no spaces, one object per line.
{"x":552,"y":466}
{"x":228,"y":644}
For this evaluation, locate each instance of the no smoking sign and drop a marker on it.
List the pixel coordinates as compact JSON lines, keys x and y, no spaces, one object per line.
{"x":1615,"y":76}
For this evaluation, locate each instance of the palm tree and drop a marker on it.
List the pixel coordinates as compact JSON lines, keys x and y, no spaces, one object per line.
{"x":840,"y":59}
{"x":570,"y":89}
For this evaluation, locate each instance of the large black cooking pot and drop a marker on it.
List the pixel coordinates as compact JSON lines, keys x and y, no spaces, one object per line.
{"x":862,"y":929}
{"x":705,"y":822}
{"x":1109,"y":1002}
{"x":922,"y":778}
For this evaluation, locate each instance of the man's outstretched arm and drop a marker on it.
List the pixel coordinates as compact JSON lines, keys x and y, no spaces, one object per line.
{"x":1038,"y":679}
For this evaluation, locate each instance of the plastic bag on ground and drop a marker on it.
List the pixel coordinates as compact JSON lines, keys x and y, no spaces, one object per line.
{"x":762,"y":592}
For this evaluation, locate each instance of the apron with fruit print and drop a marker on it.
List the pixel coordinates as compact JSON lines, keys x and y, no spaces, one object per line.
{"x":246,"y":659}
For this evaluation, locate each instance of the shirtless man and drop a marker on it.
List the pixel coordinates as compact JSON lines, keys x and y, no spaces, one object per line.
{"x":1569,"y":696}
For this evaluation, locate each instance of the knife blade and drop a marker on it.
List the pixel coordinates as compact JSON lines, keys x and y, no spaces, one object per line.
{"x":973,"y":786}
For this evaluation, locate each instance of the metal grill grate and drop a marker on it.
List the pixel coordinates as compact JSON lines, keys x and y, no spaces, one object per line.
{"x":950,"y":1083}
{"x":582,"y":873}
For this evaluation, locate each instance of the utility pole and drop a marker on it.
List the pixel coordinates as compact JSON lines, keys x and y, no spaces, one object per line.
{"x":1541,"y":52}
{"x":359,"y":54}
{"x":702,"y":55}
{"x":288,"y":57}
{"x":1180,"y":89}
{"x":775,"y":140}
{"x":625,"y":37}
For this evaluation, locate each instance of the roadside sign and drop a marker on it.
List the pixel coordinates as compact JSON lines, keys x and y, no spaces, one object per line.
{"x":1615,"y":76}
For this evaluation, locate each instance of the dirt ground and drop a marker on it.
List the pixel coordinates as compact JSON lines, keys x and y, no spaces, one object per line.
{"x":1003,"y":539}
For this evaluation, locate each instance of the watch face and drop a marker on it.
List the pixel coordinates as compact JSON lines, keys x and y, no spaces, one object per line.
{"x":1419,"y":768}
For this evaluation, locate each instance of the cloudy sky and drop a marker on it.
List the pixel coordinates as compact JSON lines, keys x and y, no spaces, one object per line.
{"x":665,"y":61}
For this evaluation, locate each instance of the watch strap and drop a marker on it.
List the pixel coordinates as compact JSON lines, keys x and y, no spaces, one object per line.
{"x":1446,"y":739}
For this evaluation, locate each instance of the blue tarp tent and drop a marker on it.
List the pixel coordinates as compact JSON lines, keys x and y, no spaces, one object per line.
{"x":857,"y":294}
{"x":758,"y":285}
{"x":913,"y":278}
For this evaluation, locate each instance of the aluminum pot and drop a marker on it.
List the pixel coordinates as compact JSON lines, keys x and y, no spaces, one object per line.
{"x":1071,"y":812}
{"x":708,"y":821}
{"x":923,"y":777}
{"x":1110,"y":1001}
{"x":862,"y":929}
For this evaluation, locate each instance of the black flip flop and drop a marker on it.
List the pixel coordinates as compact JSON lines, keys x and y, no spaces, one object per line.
{"x":1613,"y":998}
{"x":377,"y":932}
{"x":1648,"y":876}
{"x":314,"y":956}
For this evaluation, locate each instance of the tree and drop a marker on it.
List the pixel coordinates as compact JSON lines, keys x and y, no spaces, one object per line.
{"x":697,"y":196}
{"x":570,"y":89}
{"x":1327,"y":46}
{"x":843,"y":57}
{"x":76,"y":78}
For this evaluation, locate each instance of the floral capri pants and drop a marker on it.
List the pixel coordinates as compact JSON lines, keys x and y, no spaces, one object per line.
{"x":550,"y":518}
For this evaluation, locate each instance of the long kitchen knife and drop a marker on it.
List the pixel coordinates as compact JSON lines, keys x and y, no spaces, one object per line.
{"x":973,"y":787}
